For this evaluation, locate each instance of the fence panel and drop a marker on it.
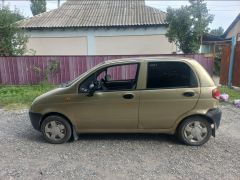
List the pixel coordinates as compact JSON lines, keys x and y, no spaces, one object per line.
{"x":226,"y":51}
{"x":236,"y":66}
{"x":33,"y":69}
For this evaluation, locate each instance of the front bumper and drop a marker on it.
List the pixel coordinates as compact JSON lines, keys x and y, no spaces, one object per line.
{"x":35,"y":119}
{"x":215,"y":115}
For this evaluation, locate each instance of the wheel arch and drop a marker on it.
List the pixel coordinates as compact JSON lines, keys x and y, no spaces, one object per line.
{"x":196,"y":115}
{"x":56,"y":114}
{"x":73,"y":128}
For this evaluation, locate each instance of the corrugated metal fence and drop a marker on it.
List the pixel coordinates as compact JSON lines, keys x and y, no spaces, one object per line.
{"x":32,"y":69}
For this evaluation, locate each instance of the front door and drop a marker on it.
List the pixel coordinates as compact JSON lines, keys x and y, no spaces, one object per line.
{"x":115,"y":102}
{"x":171,"y":91}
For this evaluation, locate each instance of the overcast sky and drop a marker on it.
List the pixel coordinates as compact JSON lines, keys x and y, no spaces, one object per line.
{"x":224,"y":11}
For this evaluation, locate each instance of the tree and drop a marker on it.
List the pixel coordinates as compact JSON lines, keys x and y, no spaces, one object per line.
{"x":12,"y":39}
{"x":217,"y":32}
{"x":187,"y":25}
{"x":38,"y":6}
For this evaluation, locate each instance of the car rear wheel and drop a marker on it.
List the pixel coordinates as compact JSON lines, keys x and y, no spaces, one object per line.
{"x":194,"y":131}
{"x":56,"y":129}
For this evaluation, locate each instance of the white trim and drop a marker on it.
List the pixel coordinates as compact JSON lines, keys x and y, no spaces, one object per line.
{"x":91,"y":44}
{"x":99,"y":32}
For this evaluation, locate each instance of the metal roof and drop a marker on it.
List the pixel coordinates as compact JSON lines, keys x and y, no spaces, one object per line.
{"x":97,"y":13}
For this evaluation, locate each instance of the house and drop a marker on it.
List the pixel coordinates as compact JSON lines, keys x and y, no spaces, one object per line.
{"x":233,"y":29}
{"x":210,"y":43}
{"x":87,"y":27}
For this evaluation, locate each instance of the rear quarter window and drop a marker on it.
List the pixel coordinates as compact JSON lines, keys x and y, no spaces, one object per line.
{"x":170,"y":75}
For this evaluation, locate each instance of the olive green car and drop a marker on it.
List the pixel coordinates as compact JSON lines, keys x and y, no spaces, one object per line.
{"x":170,"y":95}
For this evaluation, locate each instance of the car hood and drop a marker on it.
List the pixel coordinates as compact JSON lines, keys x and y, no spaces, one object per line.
{"x":49,"y":95}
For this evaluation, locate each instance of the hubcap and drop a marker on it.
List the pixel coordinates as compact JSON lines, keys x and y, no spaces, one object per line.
{"x":55,"y":130}
{"x":195,"y":132}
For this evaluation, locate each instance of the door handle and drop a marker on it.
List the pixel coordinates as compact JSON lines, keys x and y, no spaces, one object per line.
{"x":128,"y":96}
{"x":189,"y":94}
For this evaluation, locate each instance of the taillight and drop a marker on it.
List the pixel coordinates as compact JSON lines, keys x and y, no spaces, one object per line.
{"x":216,"y":94}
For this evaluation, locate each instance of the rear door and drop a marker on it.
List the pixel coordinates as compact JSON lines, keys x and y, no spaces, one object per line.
{"x":171,"y":90}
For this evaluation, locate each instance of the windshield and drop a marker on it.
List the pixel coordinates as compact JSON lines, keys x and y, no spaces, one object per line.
{"x":69,"y":83}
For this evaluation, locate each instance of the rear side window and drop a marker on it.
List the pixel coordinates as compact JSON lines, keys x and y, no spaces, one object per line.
{"x":170,"y":75}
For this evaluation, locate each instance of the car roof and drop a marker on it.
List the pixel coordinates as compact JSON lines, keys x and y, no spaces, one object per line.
{"x":147,"y":59}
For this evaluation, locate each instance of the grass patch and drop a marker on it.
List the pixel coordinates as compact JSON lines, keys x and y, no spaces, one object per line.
{"x":17,"y":97}
{"x":233,"y":93}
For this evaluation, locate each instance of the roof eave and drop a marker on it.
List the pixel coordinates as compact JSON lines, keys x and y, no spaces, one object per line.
{"x":231,"y":25}
{"x":94,"y":27}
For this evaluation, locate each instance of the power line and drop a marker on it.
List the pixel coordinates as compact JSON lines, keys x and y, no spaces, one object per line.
{"x":172,"y":5}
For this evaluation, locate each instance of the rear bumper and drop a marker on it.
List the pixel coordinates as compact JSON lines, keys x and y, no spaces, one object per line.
{"x":215,"y":115}
{"x":35,"y":119}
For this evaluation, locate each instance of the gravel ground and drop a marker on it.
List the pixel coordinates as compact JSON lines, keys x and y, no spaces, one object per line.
{"x":25,"y":155}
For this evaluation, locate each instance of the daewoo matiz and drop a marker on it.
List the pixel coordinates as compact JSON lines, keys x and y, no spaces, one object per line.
{"x":170,"y":95}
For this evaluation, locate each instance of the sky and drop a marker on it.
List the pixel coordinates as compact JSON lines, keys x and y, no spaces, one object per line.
{"x":224,"y":11}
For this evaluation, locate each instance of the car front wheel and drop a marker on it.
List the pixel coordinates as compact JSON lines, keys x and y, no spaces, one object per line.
{"x":56,"y":129}
{"x":194,"y":131}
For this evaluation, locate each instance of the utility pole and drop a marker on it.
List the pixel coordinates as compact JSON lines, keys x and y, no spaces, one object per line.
{"x":2,"y":4}
{"x":58,"y":3}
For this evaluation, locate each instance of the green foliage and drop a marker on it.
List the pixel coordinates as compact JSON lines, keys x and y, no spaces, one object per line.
{"x":217,"y":60}
{"x":187,"y":25}
{"x":38,"y":6}
{"x":52,"y":68}
{"x":49,"y":71}
{"x":217,"y":32}
{"x":12,"y":39}
{"x":23,"y":95}
{"x":217,"y":65}
{"x":233,"y":93}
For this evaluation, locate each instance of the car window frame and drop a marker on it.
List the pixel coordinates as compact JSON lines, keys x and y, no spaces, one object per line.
{"x":180,"y":87}
{"x":105,"y":68}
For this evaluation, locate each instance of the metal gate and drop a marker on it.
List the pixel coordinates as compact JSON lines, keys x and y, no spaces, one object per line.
{"x":225,"y":65}
{"x":236,"y":67}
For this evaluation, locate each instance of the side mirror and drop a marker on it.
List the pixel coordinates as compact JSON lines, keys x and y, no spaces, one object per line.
{"x":107,"y":77}
{"x":91,"y":86}
{"x":91,"y":90}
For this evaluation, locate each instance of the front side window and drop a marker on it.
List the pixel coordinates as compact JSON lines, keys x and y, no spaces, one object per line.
{"x":112,"y":78}
{"x":170,"y":75}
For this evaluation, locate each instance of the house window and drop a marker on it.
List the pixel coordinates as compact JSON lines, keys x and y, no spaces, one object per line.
{"x":170,"y":75}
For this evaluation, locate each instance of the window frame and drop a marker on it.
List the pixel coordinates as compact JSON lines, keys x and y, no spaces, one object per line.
{"x":192,"y":69}
{"x":105,"y":68}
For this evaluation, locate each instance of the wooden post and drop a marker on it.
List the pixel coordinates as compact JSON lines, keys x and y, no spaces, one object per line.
{"x":231,"y":63}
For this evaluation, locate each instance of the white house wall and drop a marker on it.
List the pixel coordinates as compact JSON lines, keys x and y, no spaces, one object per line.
{"x":234,"y":31}
{"x":119,"y":41}
{"x":58,"y":46}
{"x":148,"y":44}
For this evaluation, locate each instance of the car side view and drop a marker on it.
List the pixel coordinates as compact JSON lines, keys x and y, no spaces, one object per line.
{"x":171,"y":95}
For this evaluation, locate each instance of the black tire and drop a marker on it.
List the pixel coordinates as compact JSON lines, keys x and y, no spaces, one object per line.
{"x":182,"y":132}
{"x":63,"y":128}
